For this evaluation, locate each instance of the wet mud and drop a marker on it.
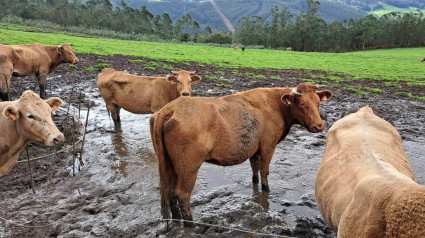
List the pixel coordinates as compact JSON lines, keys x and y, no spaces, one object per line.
{"x":116,"y":194}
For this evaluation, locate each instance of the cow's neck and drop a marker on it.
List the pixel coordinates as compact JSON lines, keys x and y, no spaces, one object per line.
{"x":287,"y":117}
{"x":54,"y":56}
{"x":172,"y":91}
{"x":10,"y":149}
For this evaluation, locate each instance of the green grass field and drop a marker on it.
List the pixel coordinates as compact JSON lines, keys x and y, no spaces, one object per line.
{"x":400,"y":64}
{"x":388,"y":9}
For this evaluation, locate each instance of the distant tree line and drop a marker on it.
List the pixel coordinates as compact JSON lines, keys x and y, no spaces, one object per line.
{"x":100,"y":14}
{"x":309,"y":32}
{"x":306,"y":32}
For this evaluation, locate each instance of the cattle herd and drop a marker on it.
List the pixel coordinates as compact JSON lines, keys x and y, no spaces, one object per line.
{"x":365,"y":186}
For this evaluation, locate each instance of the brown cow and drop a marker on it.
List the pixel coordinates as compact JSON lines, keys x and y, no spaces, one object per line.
{"x":8,"y":59}
{"x":236,"y":48}
{"x":289,"y":49}
{"x":142,"y":94}
{"x":365,"y":186}
{"x":423,"y":60}
{"x":226,"y":131}
{"x":25,"y":121}
{"x":37,"y":59}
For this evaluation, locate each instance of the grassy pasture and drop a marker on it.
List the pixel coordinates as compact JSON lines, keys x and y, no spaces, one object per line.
{"x":387,"y":65}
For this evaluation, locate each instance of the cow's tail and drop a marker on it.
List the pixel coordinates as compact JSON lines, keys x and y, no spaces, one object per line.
{"x":157,"y":121}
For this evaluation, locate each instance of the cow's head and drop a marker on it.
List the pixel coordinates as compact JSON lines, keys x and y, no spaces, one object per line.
{"x":304,"y":103}
{"x":67,"y":54}
{"x":183,"y":79}
{"x":33,"y":118}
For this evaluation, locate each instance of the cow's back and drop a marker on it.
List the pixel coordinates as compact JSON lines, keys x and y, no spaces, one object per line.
{"x":364,"y":158}
{"x":31,"y":59}
{"x":132,"y":92}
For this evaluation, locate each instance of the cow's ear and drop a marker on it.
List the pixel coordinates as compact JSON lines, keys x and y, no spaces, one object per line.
{"x":54,"y":103}
{"x":195,"y":78}
{"x":11,"y":112}
{"x":172,"y":79}
{"x":60,"y":49}
{"x":324,"y":95}
{"x":288,"y":99}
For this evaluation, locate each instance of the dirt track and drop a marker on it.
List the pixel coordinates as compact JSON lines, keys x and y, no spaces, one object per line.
{"x":116,"y":191}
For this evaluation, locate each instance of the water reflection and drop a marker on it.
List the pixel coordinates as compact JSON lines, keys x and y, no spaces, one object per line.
{"x":118,"y":143}
{"x":120,"y":166}
{"x":261,"y":198}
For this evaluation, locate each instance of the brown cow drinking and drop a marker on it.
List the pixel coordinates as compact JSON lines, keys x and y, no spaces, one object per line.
{"x":226,"y":131}
{"x":24,"y":121}
{"x":142,"y":94}
{"x":365,"y":186}
{"x":37,"y":59}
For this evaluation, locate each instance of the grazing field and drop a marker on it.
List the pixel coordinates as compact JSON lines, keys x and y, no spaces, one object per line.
{"x":391,"y":67}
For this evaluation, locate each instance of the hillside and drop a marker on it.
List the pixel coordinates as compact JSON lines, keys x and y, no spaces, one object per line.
{"x":204,"y":13}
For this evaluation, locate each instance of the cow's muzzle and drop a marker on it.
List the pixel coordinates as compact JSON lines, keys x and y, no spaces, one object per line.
{"x":59,"y":139}
{"x":75,"y":61}
{"x":317,"y":128}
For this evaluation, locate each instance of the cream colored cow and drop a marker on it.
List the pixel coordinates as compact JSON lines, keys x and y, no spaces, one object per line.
{"x":24,"y":121}
{"x":365,"y":186}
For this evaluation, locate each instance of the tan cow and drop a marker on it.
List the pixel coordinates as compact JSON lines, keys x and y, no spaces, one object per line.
{"x":226,"y":131}
{"x":142,"y":94}
{"x":25,"y":121}
{"x":365,"y":186}
{"x":8,"y":59}
{"x":289,"y":49}
{"x":37,"y":59}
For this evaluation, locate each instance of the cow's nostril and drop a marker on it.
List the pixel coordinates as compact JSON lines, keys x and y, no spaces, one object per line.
{"x":185,"y":94}
{"x":58,"y":140}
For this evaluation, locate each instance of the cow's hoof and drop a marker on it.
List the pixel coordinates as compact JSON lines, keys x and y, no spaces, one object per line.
{"x":265,"y":188}
{"x":189,"y":224}
{"x":255,"y":179}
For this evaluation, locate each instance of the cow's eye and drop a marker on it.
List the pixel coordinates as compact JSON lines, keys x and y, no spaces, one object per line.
{"x":178,"y":81}
{"x":31,"y":117}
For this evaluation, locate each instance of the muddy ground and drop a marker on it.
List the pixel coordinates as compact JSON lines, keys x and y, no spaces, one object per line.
{"x":115,"y":194}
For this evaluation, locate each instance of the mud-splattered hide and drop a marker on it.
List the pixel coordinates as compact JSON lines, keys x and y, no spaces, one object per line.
{"x":226,"y":131}
{"x":142,"y":94}
{"x":25,"y":121}
{"x":365,"y":186}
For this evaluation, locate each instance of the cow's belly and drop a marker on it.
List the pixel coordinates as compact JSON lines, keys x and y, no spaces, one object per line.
{"x":232,"y":155}
{"x":138,"y":105}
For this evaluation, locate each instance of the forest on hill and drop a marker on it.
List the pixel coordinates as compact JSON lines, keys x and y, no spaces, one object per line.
{"x":234,"y":10}
{"x":305,"y":31}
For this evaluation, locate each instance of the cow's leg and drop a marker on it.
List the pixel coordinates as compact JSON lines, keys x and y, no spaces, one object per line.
{"x":255,"y":165}
{"x":4,"y":95}
{"x":185,"y":184}
{"x":117,"y":110}
{"x":265,"y":158}
{"x":42,"y":84}
{"x":174,"y":206}
{"x":111,"y":108}
{"x":4,"y":86}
